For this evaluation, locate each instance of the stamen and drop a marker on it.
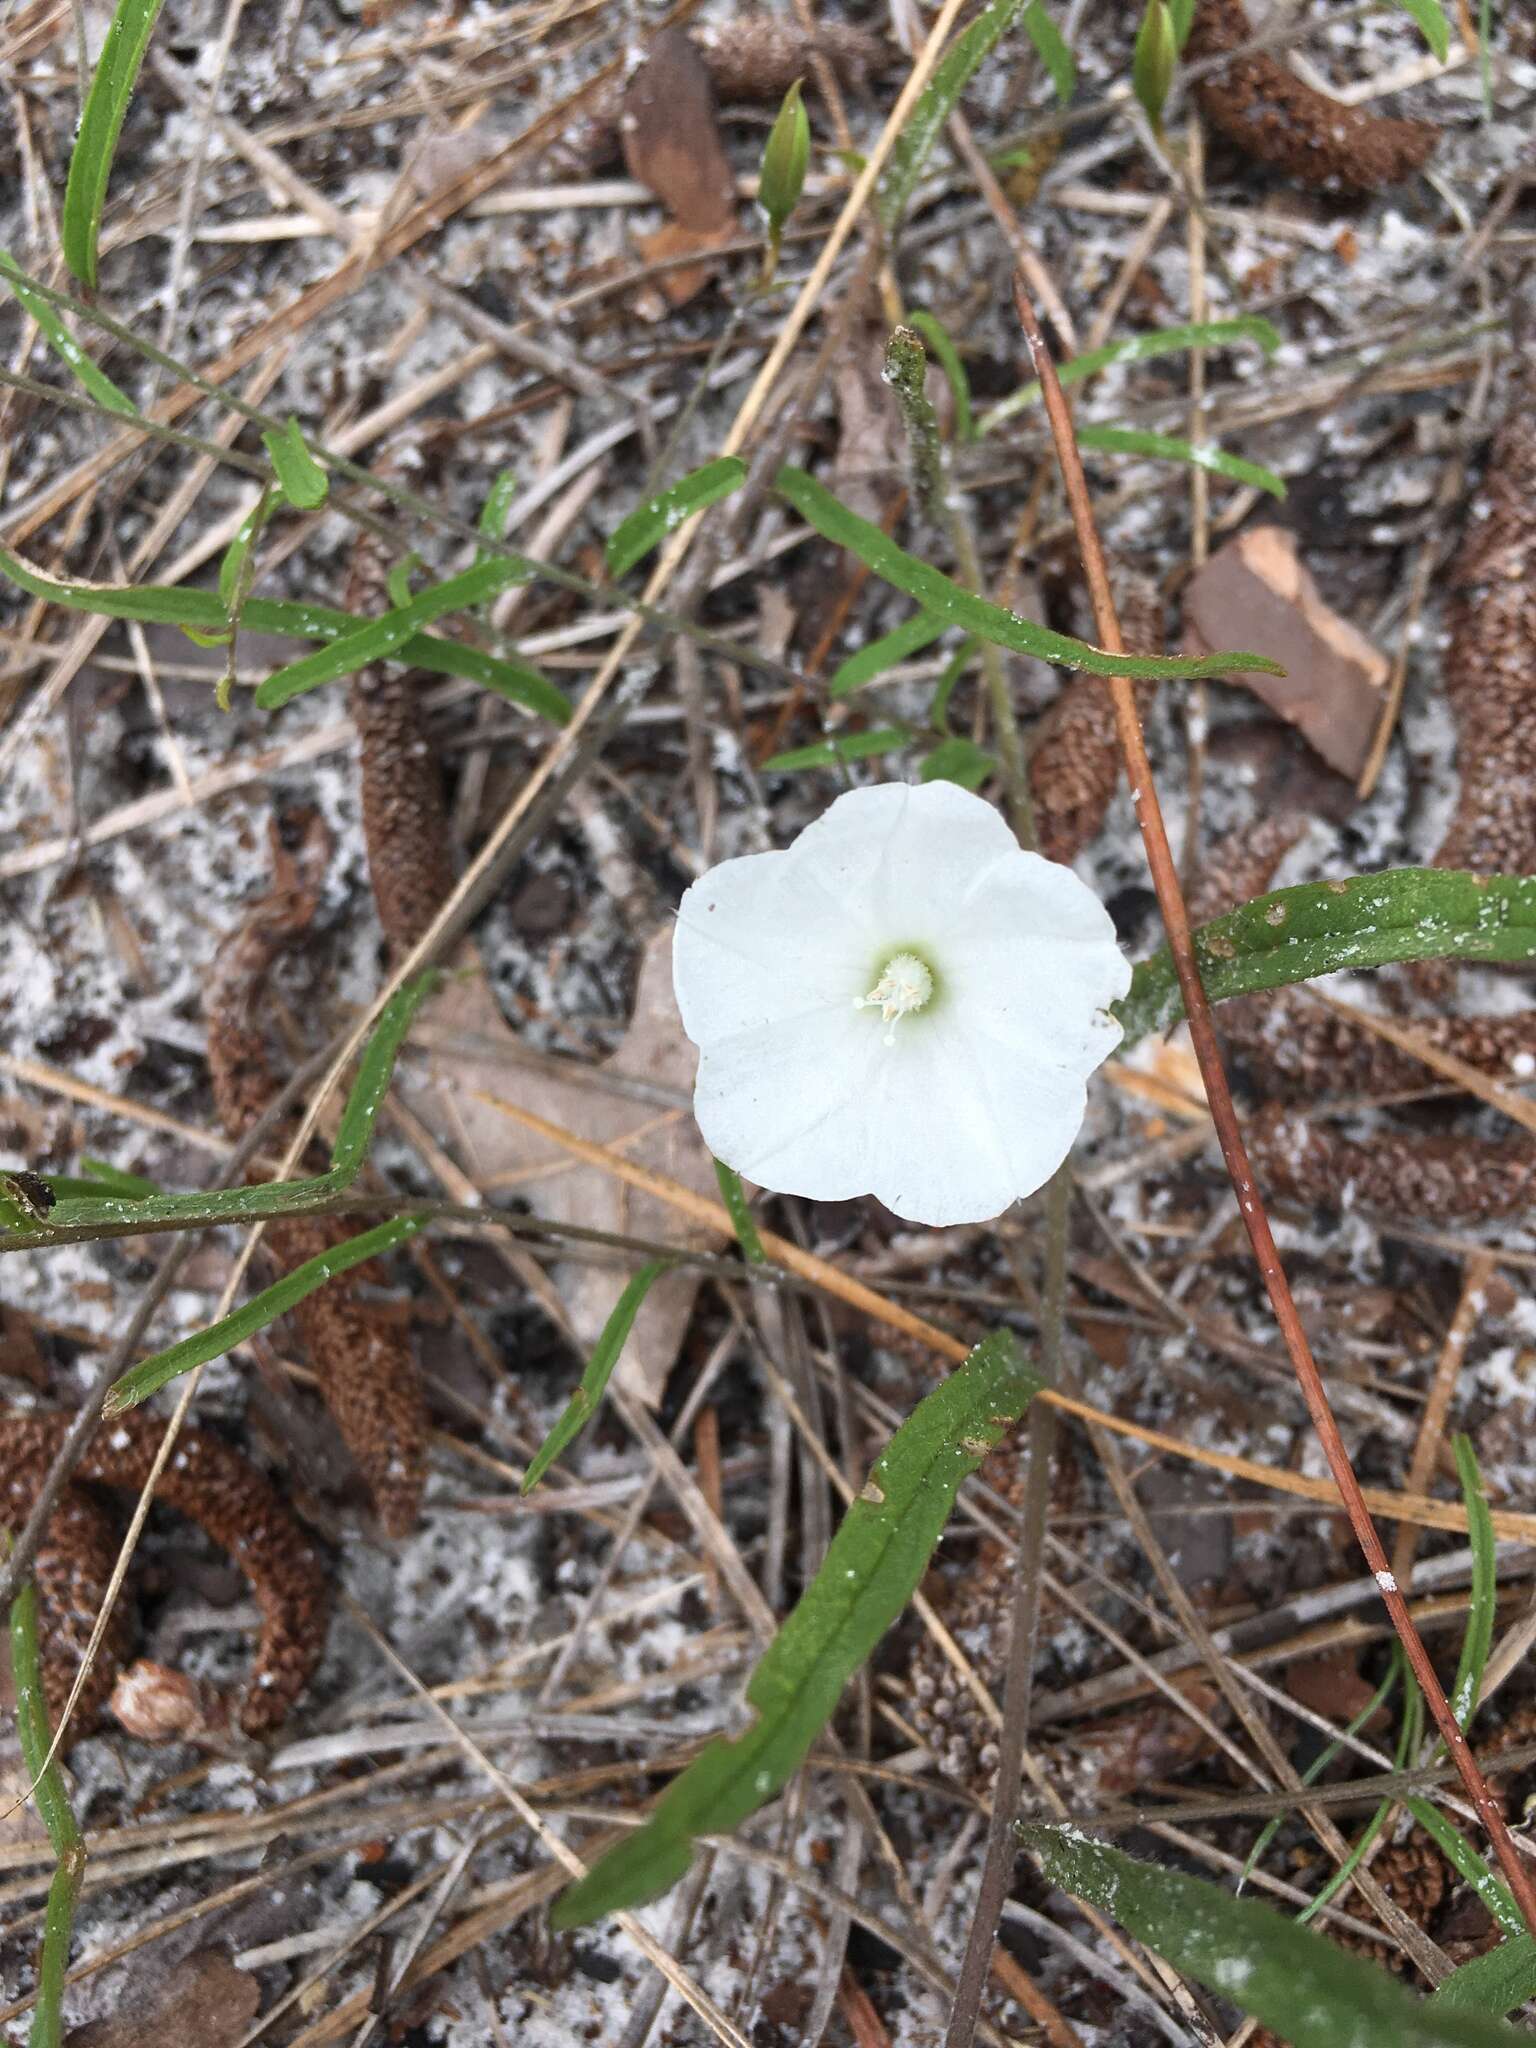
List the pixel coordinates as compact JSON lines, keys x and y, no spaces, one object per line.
{"x":905,"y":985}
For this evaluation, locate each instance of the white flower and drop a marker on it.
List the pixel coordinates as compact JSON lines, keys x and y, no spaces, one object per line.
{"x":903,"y":1003}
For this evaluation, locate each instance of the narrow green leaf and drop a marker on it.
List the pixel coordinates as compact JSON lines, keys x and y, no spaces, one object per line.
{"x":384,"y":636}
{"x":872,"y":1568}
{"x":1433,"y":25}
{"x":649,"y":524}
{"x":1496,"y":1982}
{"x":1311,"y":1993}
{"x":1182,"y":14}
{"x":151,"y":1374}
{"x":1138,"y":348}
{"x":1052,"y":50}
{"x":734,"y":1197}
{"x":1466,"y":1861}
{"x":238,"y":553}
{"x":397,"y":578}
{"x":1317,"y":928}
{"x":269,"y":1198}
{"x":958,"y":759}
{"x":853,"y":746}
{"x":64,"y":345}
{"x":1483,"y":1599}
{"x":1154,"y":59}
{"x":35,"y":1737}
{"x":375,"y":1070}
{"x":1316,"y":1768}
{"x":944,"y":598}
{"x":115,"y":1179}
{"x":90,"y":163}
{"x":583,"y":1404}
{"x":1168,"y":448}
{"x":948,"y":358}
{"x":935,"y":105}
{"x":498,"y":504}
{"x":300,"y":478}
{"x":876,"y":656}
{"x":202,"y":611}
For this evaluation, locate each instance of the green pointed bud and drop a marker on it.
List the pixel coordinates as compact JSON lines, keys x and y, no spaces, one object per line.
{"x":785,"y":161}
{"x":1157,"y":52}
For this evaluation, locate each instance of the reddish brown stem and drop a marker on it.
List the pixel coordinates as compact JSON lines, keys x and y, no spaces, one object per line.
{"x":1170,"y":899}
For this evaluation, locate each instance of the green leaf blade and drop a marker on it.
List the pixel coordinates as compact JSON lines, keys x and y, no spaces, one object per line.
{"x":936,"y":103}
{"x":607,"y":1351}
{"x":945,"y":599}
{"x":649,"y":524}
{"x":1494,"y":1983}
{"x":1293,"y":935}
{"x":1139,"y":348}
{"x":888,"y":651}
{"x":1310,"y":1992}
{"x":1433,"y":26}
{"x":853,"y":746}
{"x":872,"y":1567}
{"x":379,"y":638}
{"x":1193,"y":454}
{"x":1052,"y":49}
{"x":299,"y":477}
{"x":64,"y":345}
{"x":106,"y":106}
{"x":153,"y":1373}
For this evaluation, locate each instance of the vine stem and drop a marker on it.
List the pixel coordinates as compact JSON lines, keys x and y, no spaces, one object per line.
{"x":1170,"y":899}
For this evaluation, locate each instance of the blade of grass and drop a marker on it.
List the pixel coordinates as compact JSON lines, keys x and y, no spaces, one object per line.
{"x":35,"y":1736}
{"x":63,"y":343}
{"x":152,"y":1374}
{"x":871,"y":1570}
{"x":1483,"y":1597}
{"x":1318,"y":1765}
{"x":938,"y":100}
{"x":1137,"y":348}
{"x":649,"y":524}
{"x":106,"y":104}
{"x":384,"y":636}
{"x":583,"y":1404}
{"x":1302,"y":1986}
{"x":939,"y":595}
{"x":734,"y":1196}
{"x":1194,"y":455}
{"x":1052,"y":49}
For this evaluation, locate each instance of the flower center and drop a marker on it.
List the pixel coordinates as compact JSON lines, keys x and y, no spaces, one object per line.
{"x":905,"y":985}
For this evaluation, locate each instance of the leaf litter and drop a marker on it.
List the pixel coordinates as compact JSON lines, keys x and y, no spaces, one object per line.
{"x":106,"y":957}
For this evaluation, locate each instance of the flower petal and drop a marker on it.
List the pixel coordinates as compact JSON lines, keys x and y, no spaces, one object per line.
{"x":754,"y":944}
{"x":788,"y":1104}
{"x":962,"y":1131}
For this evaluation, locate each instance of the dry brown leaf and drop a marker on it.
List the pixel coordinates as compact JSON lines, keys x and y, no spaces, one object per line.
{"x":1256,"y":593}
{"x":203,"y":1999}
{"x":501,"y":1156}
{"x":672,"y":146}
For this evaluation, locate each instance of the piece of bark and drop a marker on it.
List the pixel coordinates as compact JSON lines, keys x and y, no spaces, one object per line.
{"x":1259,"y":104}
{"x":445,"y":1093}
{"x":1256,"y":593}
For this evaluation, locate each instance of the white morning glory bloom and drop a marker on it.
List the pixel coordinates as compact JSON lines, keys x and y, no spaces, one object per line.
{"x":903,"y":1003}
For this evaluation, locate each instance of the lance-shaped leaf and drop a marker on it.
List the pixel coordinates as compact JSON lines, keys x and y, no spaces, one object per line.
{"x":853,"y":746}
{"x":151,"y":1374}
{"x":1292,"y":935}
{"x":876,"y":656}
{"x":300,"y":478}
{"x":90,"y":163}
{"x":871,"y":1570}
{"x":607,"y":1351}
{"x":1496,"y":1982}
{"x":1138,"y":348}
{"x":1433,"y":25}
{"x":1312,"y":1994}
{"x":64,"y":345}
{"x":1195,"y":454}
{"x":204,"y":612}
{"x":1052,"y":49}
{"x":942,"y":598}
{"x":649,"y":524}
{"x":936,"y":103}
